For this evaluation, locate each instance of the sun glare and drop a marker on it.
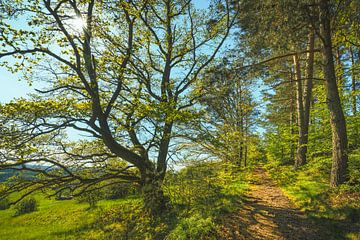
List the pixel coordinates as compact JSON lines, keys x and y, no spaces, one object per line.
{"x":77,"y":24}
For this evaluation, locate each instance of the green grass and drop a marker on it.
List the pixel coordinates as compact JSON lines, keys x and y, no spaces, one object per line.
{"x":53,"y":220}
{"x":200,"y":197}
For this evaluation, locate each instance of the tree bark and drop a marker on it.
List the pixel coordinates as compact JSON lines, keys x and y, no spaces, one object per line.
{"x":337,"y":119}
{"x":154,"y":200}
{"x":301,"y":150}
{"x":164,"y":149}
{"x":240,"y":116}
{"x":245,"y":155}
{"x":339,"y":69}
{"x":353,"y":82}
{"x":291,"y":121}
{"x":292,"y":132}
{"x":308,"y":88}
{"x":241,"y":129}
{"x":245,"y":140}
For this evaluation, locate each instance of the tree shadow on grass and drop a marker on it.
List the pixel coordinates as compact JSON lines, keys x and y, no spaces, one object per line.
{"x":75,"y":233}
{"x":121,"y":224}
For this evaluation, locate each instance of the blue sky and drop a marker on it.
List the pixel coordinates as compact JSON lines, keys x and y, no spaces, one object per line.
{"x":11,"y":85}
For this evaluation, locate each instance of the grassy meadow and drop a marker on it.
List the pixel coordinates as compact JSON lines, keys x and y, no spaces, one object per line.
{"x":199,"y":196}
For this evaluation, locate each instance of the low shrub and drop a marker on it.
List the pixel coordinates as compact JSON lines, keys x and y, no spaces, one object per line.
{"x":27,"y":205}
{"x":130,"y":221}
{"x":4,"y":204}
{"x":90,"y":197}
{"x":194,"y":227}
{"x":118,"y":191}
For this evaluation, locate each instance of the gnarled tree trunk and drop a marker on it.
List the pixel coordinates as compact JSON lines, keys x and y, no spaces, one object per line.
{"x":154,"y":199}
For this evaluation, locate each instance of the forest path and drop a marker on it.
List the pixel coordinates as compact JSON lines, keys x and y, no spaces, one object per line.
{"x":267,"y":214}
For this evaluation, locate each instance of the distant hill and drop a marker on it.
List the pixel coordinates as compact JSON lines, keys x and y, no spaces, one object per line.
{"x":6,"y":173}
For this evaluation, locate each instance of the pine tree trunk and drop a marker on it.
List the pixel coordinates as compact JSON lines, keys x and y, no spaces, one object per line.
{"x":339,"y":69}
{"x":292,"y":132}
{"x":354,"y":76}
{"x":308,"y":88}
{"x":245,"y":140}
{"x":240,"y":123}
{"x":242,"y":143}
{"x":301,"y":150}
{"x":337,"y":119}
{"x":353,"y":82}
{"x":291,"y":122}
{"x":241,"y":153}
{"x":245,"y":155}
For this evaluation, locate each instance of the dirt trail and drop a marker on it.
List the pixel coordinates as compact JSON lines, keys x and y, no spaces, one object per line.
{"x":267,"y":214}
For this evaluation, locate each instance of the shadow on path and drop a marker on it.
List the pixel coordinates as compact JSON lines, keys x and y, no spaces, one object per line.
{"x":267,"y":214}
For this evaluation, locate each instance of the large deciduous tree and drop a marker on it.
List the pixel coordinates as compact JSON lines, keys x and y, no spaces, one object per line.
{"x":119,"y":72}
